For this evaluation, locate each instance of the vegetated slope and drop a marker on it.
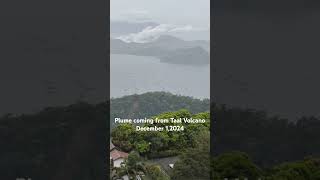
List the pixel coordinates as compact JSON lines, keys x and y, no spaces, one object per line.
{"x":153,"y":103}
{"x":55,"y":142}
{"x":269,"y":140}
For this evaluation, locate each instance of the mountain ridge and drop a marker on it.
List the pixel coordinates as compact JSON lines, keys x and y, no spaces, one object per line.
{"x":168,"y":49}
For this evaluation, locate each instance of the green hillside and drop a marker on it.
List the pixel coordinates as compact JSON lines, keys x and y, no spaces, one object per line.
{"x":153,"y":103}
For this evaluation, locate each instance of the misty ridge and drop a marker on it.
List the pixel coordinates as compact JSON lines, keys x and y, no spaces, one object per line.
{"x":153,"y":40}
{"x":167,"y":48}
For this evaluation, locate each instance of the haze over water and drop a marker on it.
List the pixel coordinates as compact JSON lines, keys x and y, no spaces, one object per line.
{"x":139,"y":74}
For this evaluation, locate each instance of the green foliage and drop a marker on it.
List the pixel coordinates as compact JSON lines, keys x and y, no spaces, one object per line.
{"x":203,"y":115}
{"x":155,"y":142}
{"x":268,"y":140}
{"x":133,"y":160}
{"x":292,"y":171}
{"x":134,"y":164}
{"x":308,"y":169}
{"x":156,"y":173}
{"x":124,"y":137}
{"x":142,"y":146}
{"x":195,"y":162}
{"x":235,"y":165}
{"x":37,"y":144}
{"x":44,"y":137}
{"x":238,"y":165}
{"x":153,"y":103}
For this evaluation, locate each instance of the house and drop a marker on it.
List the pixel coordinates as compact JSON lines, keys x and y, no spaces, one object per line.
{"x":116,"y":156}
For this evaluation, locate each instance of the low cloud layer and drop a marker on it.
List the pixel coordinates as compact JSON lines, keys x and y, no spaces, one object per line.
{"x":151,"y":33}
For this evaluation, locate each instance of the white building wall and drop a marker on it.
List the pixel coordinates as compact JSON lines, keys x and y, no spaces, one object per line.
{"x":117,"y":163}
{"x":125,"y":177}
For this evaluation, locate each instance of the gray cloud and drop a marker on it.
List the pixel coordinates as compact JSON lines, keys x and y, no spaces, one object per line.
{"x":151,"y":33}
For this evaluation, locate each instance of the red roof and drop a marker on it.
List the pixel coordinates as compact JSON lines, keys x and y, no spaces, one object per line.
{"x":116,"y":154}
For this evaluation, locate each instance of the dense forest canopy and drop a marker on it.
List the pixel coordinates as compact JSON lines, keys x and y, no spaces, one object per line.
{"x":32,"y":145}
{"x":267,"y":139}
{"x":161,"y":143}
{"x":153,"y":103}
{"x":58,"y":142}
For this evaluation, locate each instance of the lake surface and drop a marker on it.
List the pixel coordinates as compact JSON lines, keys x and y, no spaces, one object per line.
{"x":139,"y":74}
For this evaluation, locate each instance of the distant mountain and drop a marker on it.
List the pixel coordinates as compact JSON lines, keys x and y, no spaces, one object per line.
{"x":167,"y":48}
{"x":171,"y":42}
{"x":194,"y":55}
{"x":166,"y":42}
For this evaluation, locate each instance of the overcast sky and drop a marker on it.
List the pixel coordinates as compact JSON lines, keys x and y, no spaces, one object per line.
{"x":193,"y":12}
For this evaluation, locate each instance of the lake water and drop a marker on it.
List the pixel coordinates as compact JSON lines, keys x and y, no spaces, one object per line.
{"x":139,"y":74}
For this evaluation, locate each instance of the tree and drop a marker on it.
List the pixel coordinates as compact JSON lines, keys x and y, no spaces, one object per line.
{"x":309,"y":169}
{"x":195,"y":162}
{"x":235,"y":165}
{"x":134,"y":164}
{"x":123,"y":136}
{"x":156,"y":173}
{"x":142,"y":146}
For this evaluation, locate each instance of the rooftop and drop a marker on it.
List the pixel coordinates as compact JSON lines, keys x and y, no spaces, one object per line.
{"x":116,"y":154}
